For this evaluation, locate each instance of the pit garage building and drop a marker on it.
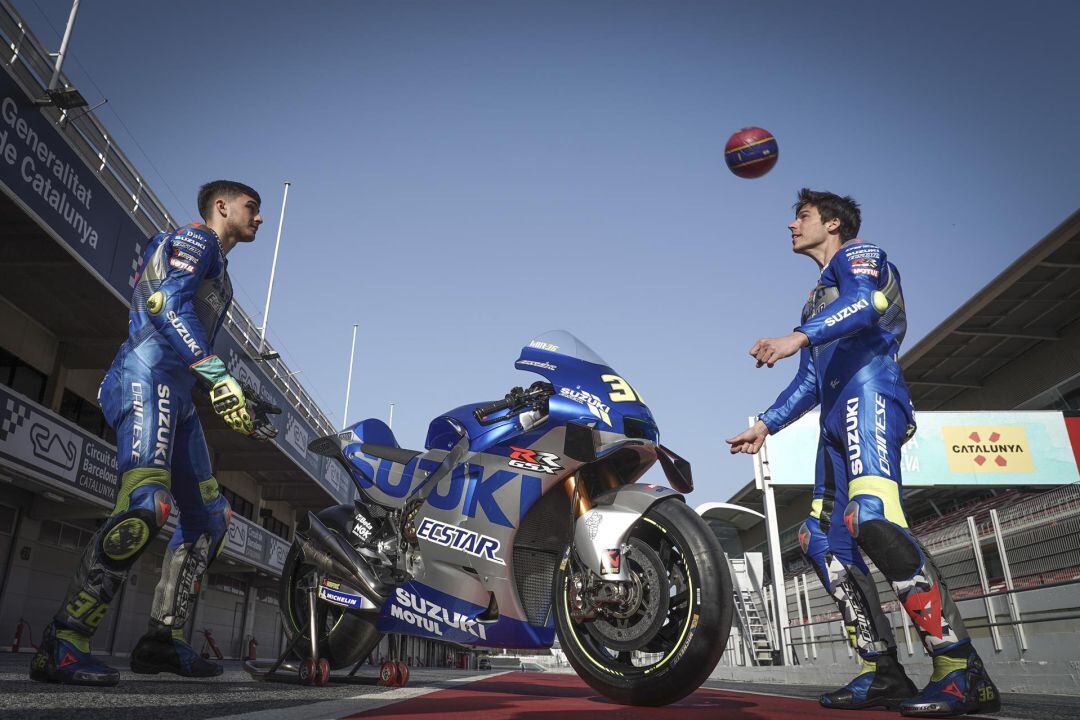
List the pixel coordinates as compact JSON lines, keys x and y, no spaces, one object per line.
{"x":74,"y":218}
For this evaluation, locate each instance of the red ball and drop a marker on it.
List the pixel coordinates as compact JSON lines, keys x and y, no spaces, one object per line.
{"x":751,"y":152}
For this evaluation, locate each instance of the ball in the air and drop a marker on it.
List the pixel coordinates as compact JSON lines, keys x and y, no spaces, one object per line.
{"x":751,"y":152}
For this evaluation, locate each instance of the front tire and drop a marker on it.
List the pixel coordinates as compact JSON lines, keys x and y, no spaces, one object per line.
{"x":670,"y":644}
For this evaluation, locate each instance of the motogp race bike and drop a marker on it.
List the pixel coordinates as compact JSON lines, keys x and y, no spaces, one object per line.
{"x":521,"y":520}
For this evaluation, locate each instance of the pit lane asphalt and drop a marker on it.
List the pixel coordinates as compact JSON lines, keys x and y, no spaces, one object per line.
{"x":1014,"y":706}
{"x":237,"y":696}
{"x":234,"y":692}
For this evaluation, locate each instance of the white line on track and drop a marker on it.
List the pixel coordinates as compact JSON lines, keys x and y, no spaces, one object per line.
{"x":333,"y":709}
{"x":757,"y":692}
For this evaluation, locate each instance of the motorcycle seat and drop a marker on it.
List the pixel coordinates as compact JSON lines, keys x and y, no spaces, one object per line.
{"x":376,"y":439}
{"x":388,"y":452}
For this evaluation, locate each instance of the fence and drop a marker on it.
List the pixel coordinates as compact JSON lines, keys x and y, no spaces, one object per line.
{"x":996,"y":552}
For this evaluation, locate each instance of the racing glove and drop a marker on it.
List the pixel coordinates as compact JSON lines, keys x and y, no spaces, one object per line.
{"x":239,"y":405}
{"x":226,"y":395}
{"x":263,"y":429}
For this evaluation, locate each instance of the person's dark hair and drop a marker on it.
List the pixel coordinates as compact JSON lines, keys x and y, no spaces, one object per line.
{"x":227,"y":189}
{"x":831,"y":206}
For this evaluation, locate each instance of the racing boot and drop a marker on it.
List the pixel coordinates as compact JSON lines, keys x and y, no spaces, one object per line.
{"x":881,"y":682}
{"x":958,"y":685}
{"x":64,"y":657}
{"x":163,"y":650}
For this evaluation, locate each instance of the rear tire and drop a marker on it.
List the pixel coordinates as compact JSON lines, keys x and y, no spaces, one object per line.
{"x":661,"y":666}
{"x":345,"y":636}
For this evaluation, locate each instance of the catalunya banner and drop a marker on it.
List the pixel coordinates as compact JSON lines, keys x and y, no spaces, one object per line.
{"x":1006,"y":448}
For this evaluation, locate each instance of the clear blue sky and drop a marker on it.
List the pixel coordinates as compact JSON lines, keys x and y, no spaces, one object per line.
{"x":469,"y":174}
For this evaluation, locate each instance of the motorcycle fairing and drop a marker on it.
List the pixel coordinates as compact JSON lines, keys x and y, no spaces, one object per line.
{"x":471,"y":579}
{"x":418,"y":609}
{"x":374,"y":431}
{"x":484,"y":500}
{"x":370,"y":453}
{"x":479,"y":493}
{"x":586,"y":387}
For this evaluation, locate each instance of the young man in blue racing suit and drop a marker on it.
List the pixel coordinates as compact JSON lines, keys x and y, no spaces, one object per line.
{"x":182,"y":292}
{"x":849,"y":344}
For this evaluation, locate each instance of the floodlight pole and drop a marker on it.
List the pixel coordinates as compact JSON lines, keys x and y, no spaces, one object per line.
{"x":390,"y":424}
{"x":348,"y":384}
{"x":273,"y":270}
{"x":55,"y":79}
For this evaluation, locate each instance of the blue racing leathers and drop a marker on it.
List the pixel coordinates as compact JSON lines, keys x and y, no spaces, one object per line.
{"x":855,"y":320}
{"x":181,"y":294}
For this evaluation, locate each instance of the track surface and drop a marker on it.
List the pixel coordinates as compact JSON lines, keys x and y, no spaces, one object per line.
{"x":430,"y":693}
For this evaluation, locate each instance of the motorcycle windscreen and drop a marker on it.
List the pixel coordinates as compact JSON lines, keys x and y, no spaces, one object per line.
{"x":581,"y":376}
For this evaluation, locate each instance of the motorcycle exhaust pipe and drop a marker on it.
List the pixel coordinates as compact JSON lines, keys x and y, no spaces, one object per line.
{"x":330,"y":553}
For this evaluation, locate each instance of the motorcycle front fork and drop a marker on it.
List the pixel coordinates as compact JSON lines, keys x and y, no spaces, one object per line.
{"x":581,"y":608}
{"x":579,"y":494}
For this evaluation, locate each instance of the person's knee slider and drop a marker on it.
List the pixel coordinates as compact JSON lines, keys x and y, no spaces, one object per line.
{"x":814,"y":546}
{"x":812,"y":541}
{"x":875,"y":518}
{"x":143,"y":506}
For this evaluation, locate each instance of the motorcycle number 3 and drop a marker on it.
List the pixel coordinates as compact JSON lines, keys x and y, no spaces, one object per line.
{"x":621,"y":390}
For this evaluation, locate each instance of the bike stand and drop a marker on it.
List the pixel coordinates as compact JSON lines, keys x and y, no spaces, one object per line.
{"x":314,"y":670}
{"x":393,"y":673}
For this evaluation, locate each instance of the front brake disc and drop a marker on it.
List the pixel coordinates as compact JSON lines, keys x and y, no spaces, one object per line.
{"x":644,"y":621}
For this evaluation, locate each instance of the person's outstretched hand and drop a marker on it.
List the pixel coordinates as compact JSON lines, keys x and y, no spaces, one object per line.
{"x":749,"y":441}
{"x":768,"y":351}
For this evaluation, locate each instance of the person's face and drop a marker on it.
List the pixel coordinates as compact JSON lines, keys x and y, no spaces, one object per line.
{"x":243,"y":217}
{"x":807,"y":230}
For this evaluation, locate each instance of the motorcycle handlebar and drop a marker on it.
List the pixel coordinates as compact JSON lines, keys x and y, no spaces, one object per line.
{"x":516,"y":398}
{"x":483,"y":412}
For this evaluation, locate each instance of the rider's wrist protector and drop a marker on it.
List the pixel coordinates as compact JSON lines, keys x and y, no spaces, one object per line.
{"x":211,"y":369}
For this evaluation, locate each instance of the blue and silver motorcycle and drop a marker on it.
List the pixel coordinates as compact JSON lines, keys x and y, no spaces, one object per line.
{"x":522,"y":520}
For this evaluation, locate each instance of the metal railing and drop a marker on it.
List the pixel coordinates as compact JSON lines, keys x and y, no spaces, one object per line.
{"x":1031,"y":544}
{"x":29,"y":63}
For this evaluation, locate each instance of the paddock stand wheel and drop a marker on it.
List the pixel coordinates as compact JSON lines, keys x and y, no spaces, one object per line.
{"x":307,"y":672}
{"x":314,"y":670}
{"x":322,"y":672}
{"x":388,"y":674}
{"x":403,"y":673}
